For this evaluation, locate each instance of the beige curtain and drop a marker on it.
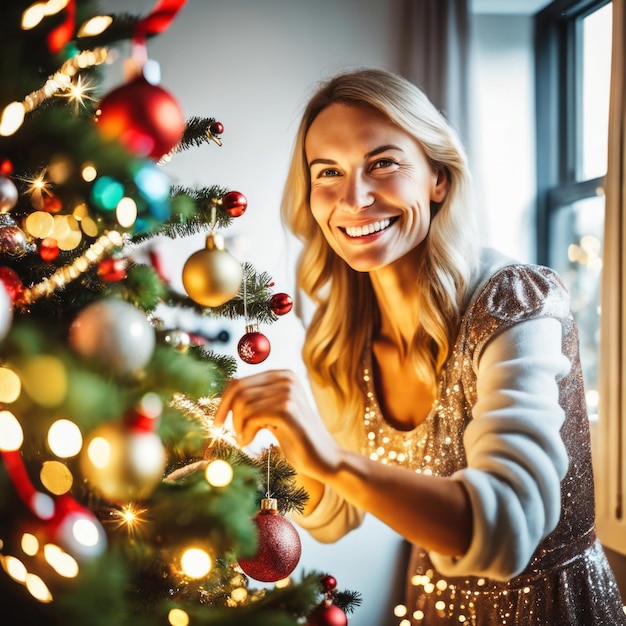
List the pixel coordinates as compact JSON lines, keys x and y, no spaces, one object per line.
{"x":612,"y":418}
{"x":435,"y":55}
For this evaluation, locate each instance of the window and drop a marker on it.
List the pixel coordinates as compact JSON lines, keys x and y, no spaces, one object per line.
{"x":573,"y":79}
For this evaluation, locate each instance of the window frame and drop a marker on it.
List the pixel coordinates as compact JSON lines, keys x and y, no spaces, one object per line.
{"x":559,"y":121}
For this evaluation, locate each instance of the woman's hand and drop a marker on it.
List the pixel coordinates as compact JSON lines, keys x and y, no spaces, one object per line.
{"x":276,"y":400}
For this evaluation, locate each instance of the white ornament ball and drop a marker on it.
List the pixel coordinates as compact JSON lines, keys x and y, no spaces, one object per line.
{"x":123,"y":463}
{"x":6,"y":311}
{"x":116,"y":333}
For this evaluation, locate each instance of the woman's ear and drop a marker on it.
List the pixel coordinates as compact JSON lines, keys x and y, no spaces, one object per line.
{"x":441,"y":185}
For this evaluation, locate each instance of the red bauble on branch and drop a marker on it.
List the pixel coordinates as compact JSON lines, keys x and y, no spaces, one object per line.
{"x":327,"y":615}
{"x":234,"y":203}
{"x":281,"y":303}
{"x":254,"y":347}
{"x":279,"y":546}
{"x":144,"y":117}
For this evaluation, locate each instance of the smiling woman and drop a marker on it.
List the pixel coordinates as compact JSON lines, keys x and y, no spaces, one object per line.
{"x":447,"y":379}
{"x":372,"y":184}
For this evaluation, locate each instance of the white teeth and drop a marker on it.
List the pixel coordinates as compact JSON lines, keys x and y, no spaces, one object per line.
{"x":368,"y":229}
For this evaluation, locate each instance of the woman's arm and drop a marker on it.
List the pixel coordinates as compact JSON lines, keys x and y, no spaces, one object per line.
{"x":485,"y":520}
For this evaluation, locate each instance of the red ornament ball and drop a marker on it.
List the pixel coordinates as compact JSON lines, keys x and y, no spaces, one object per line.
{"x":279,"y":547}
{"x":281,"y":303}
{"x":234,"y":203}
{"x":145,"y":118}
{"x":48,"y":249}
{"x":112,"y":270}
{"x":12,"y":282}
{"x":6,"y":167}
{"x":253,"y":347}
{"x":52,"y":204}
{"x":327,"y":615}
{"x":328,"y":582}
{"x":217,"y":128}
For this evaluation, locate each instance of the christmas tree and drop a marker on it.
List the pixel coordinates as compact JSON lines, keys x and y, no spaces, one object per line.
{"x":120,"y":503}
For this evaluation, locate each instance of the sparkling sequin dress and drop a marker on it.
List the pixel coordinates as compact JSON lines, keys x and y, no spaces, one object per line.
{"x":568,"y":580}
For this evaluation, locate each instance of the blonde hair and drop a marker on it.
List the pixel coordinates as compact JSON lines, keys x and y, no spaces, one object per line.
{"x":346,"y":309}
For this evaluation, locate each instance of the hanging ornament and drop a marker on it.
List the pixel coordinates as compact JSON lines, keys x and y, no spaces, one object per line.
{"x":8,"y":194}
{"x":48,"y":249}
{"x":327,"y":613}
{"x":281,"y":303}
{"x":52,"y":204}
{"x":112,"y":269}
{"x":177,"y":339}
{"x":215,"y":129}
{"x":6,"y":167}
{"x":114,"y":332}
{"x":254,"y":347}
{"x":279,"y":547}
{"x":144,"y":117}
{"x":12,"y":283}
{"x":212,"y":276}
{"x":234,"y":203}
{"x":13,"y":240}
{"x":6,"y":310}
{"x":124,"y":460}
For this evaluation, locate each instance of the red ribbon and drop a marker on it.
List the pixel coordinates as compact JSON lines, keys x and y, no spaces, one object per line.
{"x":64,"y":32}
{"x":16,"y":469}
{"x":157,"y":21}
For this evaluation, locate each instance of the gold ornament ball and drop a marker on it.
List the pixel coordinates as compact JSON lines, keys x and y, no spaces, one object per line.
{"x":212,"y":276}
{"x":121,"y":463}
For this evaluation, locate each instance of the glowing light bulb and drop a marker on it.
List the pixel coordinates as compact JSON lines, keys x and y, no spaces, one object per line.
{"x":178,"y":617}
{"x":33,"y":15}
{"x":30,"y":544}
{"x":126,"y":212}
{"x":196,"y":563}
{"x":15,"y":568}
{"x":56,"y":477}
{"x":62,"y":563}
{"x":39,"y":224}
{"x":11,"y":433}
{"x":89,"y":172}
{"x":95,"y":26}
{"x":65,"y":438}
{"x":12,"y":118}
{"x":38,"y":588}
{"x":219,"y":473}
{"x":10,"y":385}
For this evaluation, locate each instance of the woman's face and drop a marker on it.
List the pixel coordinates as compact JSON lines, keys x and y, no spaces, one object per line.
{"x":371,"y":186}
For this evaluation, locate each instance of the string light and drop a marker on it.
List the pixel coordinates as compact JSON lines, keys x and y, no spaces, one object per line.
{"x":219,"y":473}
{"x":196,"y":563}
{"x":67,"y":273}
{"x":13,"y":115}
{"x":128,"y":517}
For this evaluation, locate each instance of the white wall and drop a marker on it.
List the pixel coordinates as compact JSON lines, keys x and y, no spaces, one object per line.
{"x":251,"y":64}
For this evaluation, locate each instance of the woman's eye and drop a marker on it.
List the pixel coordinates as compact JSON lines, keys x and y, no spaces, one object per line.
{"x":382,"y":163}
{"x":328,"y":173}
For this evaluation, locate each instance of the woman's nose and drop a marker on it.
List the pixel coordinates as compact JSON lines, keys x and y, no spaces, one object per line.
{"x":358,"y":193}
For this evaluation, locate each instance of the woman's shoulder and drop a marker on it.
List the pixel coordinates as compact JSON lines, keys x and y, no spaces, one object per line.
{"x":512,"y":291}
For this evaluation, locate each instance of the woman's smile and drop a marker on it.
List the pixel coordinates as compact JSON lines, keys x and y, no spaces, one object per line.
{"x":358,"y":232}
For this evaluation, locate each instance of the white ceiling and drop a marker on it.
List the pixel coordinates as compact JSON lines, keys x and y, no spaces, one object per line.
{"x":508,"y":7}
